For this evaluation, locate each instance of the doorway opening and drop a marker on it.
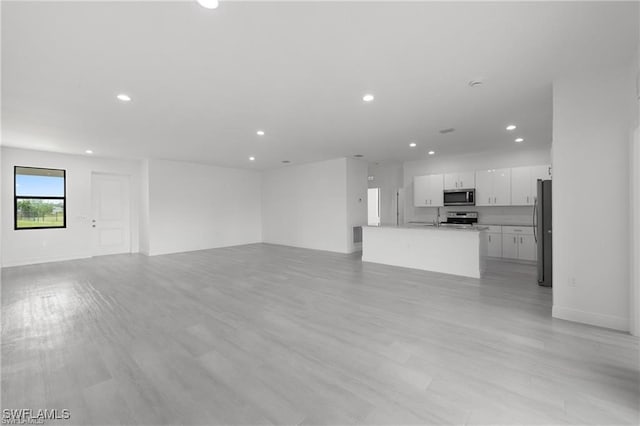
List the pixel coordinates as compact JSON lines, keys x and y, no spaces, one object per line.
{"x":373,"y":206}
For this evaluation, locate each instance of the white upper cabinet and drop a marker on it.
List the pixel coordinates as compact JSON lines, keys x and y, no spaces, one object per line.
{"x":467,"y":180}
{"x":421,"y":191}
{"x":493,"y":187}
{"x":521,"y":190}
{"x":450,"y":181}
{"x":460,"y":180}
{"x":428,"y":191}
{"x":523,"y":183}
{"x":484,"y":187}
{"x":540,"y":172}
{"x":502,"y":187}
{"x":437,"y":190}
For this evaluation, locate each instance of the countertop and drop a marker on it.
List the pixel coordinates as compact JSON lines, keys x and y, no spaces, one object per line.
{"x":431,"y":227}
{"x":507,"y":224}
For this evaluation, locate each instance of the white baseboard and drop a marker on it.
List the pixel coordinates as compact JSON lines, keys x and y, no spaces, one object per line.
{"x":591,"y":318}
{"x":37,"y":260}
{"x":152,"y":253}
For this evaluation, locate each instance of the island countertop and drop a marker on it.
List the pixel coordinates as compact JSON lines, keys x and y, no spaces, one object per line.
{"x":429,"y":227}
{"x":445,"y":249}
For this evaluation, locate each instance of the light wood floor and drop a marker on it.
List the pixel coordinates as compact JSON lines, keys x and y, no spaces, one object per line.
{"x":263,"y":334}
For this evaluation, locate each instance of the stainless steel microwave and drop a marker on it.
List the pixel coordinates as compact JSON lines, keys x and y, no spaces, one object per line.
{"x":460,"y":197}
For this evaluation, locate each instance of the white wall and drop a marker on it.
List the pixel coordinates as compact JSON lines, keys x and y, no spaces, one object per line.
{"x":387,"y":177}
{"x":46,"y":245}
{"x":516,"y":215}
{"x":306,"y":206}
{"x":634,"y":300}
{"x":144,"y":208}
{"x":196,"y":207}
{"x":592,"y":122}
{"x":356,"y":199}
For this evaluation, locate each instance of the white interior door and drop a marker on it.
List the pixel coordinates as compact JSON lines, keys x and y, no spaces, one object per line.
{"x":111,"y":221}
{"x":373,"y":206}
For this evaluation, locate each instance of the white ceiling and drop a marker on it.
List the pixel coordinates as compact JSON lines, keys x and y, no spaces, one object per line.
{"x":203,"y":81}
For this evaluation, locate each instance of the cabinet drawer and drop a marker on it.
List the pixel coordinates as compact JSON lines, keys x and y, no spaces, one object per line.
{"x":520,"y":230}
{"x":494,"y":228}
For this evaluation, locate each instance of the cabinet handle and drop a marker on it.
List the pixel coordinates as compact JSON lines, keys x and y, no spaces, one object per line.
{"x":489,"y":200}
{"x":527,"y":199}
{"x":520,"y":240}
{"x":549,"y":170}
{"x":514,"y":240}
{"x":495,"y":200}
{"x":489,"y":238}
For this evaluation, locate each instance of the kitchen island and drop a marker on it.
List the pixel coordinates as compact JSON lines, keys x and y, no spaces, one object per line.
{"x":450,"y":250}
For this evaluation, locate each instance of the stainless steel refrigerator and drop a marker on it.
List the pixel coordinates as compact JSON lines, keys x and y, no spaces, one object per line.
{"x":542,"y":231}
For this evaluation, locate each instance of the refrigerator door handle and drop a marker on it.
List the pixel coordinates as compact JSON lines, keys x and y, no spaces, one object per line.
{"x":535,"y":219}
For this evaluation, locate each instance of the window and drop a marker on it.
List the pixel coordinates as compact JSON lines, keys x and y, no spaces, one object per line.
{"x":39,"y":200}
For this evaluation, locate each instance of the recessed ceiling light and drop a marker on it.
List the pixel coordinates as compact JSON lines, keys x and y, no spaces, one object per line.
{"x":252,"y":158}
{"x":209,"y":4}
{"x":431,"y":152}
{"x":511,"y":127}
{"x":413,"y":144}
{"x":519,"y":140}
{"x":124,"y":97}
{"x":88,"y":151}
{"x":260,"y":133}
{"x":368,"y":97}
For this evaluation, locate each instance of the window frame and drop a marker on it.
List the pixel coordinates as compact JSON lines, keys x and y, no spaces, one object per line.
{"x":37,"y":197}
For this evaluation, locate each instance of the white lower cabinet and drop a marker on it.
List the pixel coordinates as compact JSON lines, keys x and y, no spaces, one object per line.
{"x":518,"y":243}
{"x":527,"y":250}
{"x":511,"y":242}
{"x":509,"y":246}
{"x":494,"y":244}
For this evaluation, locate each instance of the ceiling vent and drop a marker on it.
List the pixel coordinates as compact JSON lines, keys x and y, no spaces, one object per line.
{"x":475,"y":83}
{"x":449,"y":130}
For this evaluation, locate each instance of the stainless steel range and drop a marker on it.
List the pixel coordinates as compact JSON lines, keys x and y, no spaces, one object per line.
{"x":461,"y":219}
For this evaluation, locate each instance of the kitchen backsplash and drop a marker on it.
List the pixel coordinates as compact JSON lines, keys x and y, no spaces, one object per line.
{"x":508,"y":215}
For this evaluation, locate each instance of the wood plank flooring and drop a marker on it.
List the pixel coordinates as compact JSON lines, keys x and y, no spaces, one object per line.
{"x":265,"y":334}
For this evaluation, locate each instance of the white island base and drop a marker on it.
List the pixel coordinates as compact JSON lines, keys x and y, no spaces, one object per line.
{"x":437,"y":249}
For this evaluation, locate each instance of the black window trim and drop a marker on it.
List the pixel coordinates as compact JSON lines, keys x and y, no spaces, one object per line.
{"x":37,"y":197}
